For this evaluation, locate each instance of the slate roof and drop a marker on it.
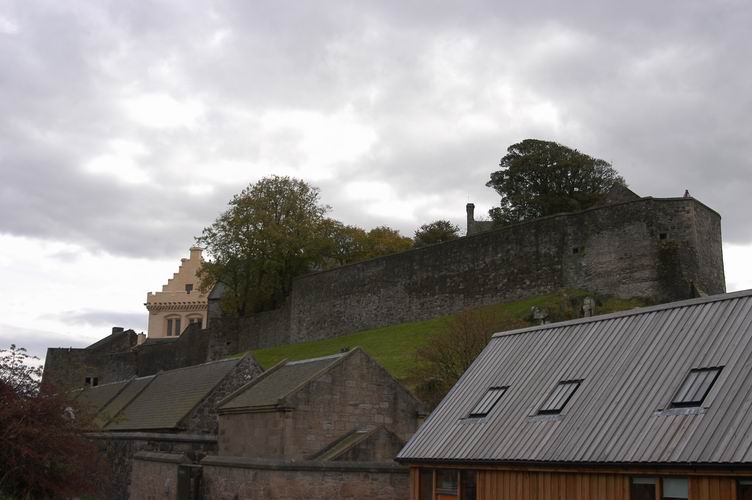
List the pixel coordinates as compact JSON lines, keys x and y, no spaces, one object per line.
{"x":130,"y":391}
{"x":631,"y":365}
{"x":270,"y":388}
{"x":93,"y":399}
{"x":170,"y":396}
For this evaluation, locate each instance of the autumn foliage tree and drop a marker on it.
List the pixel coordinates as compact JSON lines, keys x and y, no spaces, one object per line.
{"x":539,"y":178}
{"x":42,"y":451}
{"x":442,"y":361}
{"x":274,"y":231}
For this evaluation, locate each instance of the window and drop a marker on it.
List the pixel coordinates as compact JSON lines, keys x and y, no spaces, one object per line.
{"x":643,"y":488}
{"x":487,"y":402}
{"x":189,"y":288}
{"x":194,"y":320}
{"x":696,"y":387}
{"x":447,"y":482}
{"x":576,"y":250}
{"x":173,"y":327}
{"x":744,"y":489}
{"x":91,"y":381}
{"x":663,"y":236}
{"x":559,"y":397}
{"x":675,"y":488}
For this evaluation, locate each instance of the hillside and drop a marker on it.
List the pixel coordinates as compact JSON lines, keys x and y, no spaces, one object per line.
{"x":395,"y":346}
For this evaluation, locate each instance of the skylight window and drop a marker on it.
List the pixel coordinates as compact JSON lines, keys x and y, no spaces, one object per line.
{"x":559,"y":397}
{"x":487,"y":402}
{"x":696,"y":387}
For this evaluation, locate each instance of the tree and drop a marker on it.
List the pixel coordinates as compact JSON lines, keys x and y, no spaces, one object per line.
{"x":273,"y":231}
{"x":42,"y":451}
{"x":539,"y":178}
{"x":435,"y":232}
{"x":441,"y":362}
{"x":345,"y":244}
{"x":383,"y":240}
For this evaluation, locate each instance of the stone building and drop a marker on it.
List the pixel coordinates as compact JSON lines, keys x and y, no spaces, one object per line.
{"x":319,"y":428}
{"x":645,"y":404}
{"x":172,"y":411}
{"x":180,"y":303}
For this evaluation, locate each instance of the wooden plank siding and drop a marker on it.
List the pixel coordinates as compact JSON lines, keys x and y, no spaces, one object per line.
{"x":524,"y":485}
{"x":527,"y":484}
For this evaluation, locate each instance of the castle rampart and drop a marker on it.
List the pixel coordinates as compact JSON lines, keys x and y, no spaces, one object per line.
{"x":660,"y":249}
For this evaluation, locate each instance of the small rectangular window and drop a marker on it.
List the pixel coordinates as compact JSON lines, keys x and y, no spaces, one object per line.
{"x":643,"y":488}
{"x":94,"y":382}
{"x":487,"y":402}
{"x":169,"y":328}
{"x":576,"y":250}
{"x":663,"y":236}
{"x":177,"y":327}
{"x":189,"y":288}
{"x":744,"y":489}
{"x":559,"y":397}
{"x":447,"y":482}
{"x":695,"y":387}
{"x":675,"y":488}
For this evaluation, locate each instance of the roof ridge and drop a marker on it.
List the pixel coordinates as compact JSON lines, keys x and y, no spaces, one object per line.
{"x":631,"y":312}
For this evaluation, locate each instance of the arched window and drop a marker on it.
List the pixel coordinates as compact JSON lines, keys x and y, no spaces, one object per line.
{"x":195,"y":319}
{"x":172,"y":326}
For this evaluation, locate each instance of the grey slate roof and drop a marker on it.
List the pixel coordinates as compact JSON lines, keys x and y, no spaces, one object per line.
{"x":631,"y":364}
{"x":93,"y":399}
{"x":271,"y":387}
{"x":170,"y":397}
{"x":131,"y":390}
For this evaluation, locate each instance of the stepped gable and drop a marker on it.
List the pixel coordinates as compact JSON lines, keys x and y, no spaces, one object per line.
{"x":180,"y":302}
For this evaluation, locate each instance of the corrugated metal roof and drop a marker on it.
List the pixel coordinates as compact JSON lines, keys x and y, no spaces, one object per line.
{"x":631,"y":364}
{"x":269,"y":388}
{"x":170,"y":397}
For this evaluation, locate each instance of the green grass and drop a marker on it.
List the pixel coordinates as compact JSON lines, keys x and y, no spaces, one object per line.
{"x":394,"y":346}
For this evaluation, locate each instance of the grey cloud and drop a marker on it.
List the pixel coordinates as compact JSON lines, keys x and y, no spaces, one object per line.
{"x":106,"y":319}
{"x":34,"y":341}
{"x":659,"y":89}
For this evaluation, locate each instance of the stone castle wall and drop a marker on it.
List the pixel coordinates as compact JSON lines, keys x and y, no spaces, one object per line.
{"x":657,"y":249}
{"x":660,"y":249}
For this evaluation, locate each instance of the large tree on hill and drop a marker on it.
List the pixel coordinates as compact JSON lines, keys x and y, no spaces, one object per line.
{"x":435,"y":232}
{"x":273,"y":231}
{"x":539,"y":178}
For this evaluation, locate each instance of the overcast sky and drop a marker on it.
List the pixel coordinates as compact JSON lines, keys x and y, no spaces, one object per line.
{"x":125,"y":127}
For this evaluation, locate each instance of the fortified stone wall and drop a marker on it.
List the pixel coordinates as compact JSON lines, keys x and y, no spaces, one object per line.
{"x":662,"y":250}
{"x":659,"y":249}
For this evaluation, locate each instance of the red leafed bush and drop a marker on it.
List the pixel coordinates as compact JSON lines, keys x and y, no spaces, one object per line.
{"x":43,"y":453}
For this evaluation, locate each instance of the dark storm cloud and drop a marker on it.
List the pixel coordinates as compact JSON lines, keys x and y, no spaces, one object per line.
{"x":660,"y":89}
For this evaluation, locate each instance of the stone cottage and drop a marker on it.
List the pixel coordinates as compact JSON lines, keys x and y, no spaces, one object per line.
{"x":318,"y":428}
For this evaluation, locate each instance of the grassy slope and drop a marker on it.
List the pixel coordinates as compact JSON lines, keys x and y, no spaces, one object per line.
{"x":394,"y":346}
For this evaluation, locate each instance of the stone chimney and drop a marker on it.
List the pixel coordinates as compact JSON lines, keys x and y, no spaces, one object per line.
{"x":196,"y":253}
{"x":117,"y":329}
{"x":470,"y":208}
